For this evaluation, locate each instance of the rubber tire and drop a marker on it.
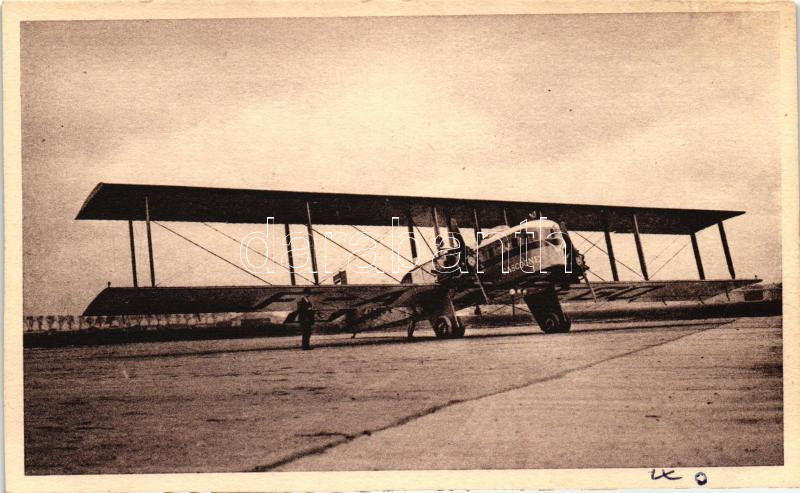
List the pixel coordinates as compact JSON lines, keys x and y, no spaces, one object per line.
{"x":566,"y":324}
{"x":548,"y":313}
{"x":443,"y":327}
{"x":552,"y":322}
{"x":458,"y":331}
{"x":549,"y":321}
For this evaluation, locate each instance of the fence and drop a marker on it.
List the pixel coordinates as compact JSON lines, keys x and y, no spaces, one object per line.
{"x":66,"y":323}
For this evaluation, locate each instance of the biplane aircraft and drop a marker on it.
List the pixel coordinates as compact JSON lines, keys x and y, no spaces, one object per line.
{"x":522,"y":248}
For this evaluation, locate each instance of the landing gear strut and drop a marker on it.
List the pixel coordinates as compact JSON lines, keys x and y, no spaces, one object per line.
{"x":443,"y":319}
{"x":547,"y":311}
{"x":412,"y":324}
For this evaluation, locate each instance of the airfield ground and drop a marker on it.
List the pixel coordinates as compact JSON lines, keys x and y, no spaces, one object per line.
{"x":609,"y":394}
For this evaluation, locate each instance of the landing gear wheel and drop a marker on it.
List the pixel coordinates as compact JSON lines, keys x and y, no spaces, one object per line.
{"x":448,"y":327}
{"x":458,"y":330}
{"x":549,"y":322}
{"x":566,"y":324}
{"x":547,"y":312}
{"x":552,"y":322}
{"x":443,"y":327}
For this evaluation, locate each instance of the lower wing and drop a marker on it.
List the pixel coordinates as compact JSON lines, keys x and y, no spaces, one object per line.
{"x":373,"y":298}
{"x":239,"y":299}
{"x":651,"y":290}
{"x":607,"y":291}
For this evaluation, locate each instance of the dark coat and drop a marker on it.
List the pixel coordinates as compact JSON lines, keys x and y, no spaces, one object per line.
{"x":305,"y":311}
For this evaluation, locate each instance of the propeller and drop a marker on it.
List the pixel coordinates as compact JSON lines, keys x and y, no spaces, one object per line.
{"x":579,"y":260}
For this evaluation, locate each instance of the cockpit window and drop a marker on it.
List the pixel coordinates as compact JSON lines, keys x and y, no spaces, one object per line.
{"x":531,"y":237}
{"x":554,"y":236}
{"x":528,"y":240}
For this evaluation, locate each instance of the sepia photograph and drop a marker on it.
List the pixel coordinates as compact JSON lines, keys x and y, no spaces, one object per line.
{"x":414,"y":240}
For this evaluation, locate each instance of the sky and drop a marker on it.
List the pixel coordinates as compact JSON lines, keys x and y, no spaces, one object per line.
{"x":661,"y":110}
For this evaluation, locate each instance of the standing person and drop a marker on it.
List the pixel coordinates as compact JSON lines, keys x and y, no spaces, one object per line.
{"x":305,"y":315}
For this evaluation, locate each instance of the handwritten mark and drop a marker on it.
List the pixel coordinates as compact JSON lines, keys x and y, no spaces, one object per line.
{"x":664,"y":474}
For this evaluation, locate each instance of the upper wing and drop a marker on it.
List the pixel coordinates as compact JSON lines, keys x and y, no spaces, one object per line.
{"x":228,"y":205}
{"x":238,"y":299}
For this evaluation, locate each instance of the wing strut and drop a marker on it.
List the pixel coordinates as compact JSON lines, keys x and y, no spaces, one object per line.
{"x":726,"y":250}
{"x":450,"y":229}
{"x":697,"y":259}
{"x":611,"y":259}
{"x":311,"y":244}
{"x":425,"y":241}
{"x":436,"y":234}
{"x":133,"y":254}
{"x":149,"y":242}
{"x":412,"y":242}
{"x":639,"y":249}
{"x":477,"y":224}
{"x":288,"y":241}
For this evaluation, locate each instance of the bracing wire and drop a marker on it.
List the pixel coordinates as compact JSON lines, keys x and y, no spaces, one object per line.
{"x":354,"y":254}
{"x":212,"y":253}
{"x":425,"y":241}
{"x":422,"y":265}
{"x":389,"y":308}
{"x":617,"y":260}
{"x":669,"y":260}
{"x":340,"y":266}
{"x":596,"y":275}
{"x":255,"y":251}
{"x":663,"y":250}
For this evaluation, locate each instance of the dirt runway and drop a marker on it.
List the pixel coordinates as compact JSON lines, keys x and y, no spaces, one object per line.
{"x":608,"y":394}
